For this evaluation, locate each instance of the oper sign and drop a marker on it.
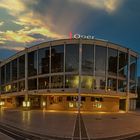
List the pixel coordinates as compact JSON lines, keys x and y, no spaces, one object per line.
{"x":78,"y":36}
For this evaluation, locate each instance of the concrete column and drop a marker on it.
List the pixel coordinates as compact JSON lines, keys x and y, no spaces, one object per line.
{"x":128,"y":80}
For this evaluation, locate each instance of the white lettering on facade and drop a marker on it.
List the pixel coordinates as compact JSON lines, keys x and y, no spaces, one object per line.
{"x":78,"y":36}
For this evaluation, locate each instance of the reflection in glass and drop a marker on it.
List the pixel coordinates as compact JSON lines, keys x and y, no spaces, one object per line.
{"x":123,"y":64}
{"x":43,"y":60}
{"x":21,"y":67}
{"x":87,"y":59}
{"x":32,"y":84}
{"x":111,"y":84}
{"x":3,"y":74}
{"x":14,"y":70}
{"x":72,"y":58}
{"x":21,"y":85}
{"x":122,"y":85}
{"x":133,"y":63}
{"x":43,"y":82}
{"x":100,"y":60}
{"x":57,"y":81}
{"x":112,"y":61}
{"x":99,"y":83}
{"x":87,"y":82}
{"x":14,"y":87}
{"x":32,"y":63}
{"x":71,"y":81}
{"x":132,"y":87}
{"x":57,"y":59}
{"x":8,"y":72}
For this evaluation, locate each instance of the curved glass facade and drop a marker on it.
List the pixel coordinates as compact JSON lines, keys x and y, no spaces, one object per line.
{"x":91,"y":66}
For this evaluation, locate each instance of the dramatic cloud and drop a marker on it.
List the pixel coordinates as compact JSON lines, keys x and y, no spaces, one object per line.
{"x":108,"y":5}
{"x":24,"y":23}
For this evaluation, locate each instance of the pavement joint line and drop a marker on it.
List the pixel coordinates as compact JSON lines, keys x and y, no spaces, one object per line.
{"x":86,"y":129}
{"x":74,"y":127}
{"x":79,"y":117}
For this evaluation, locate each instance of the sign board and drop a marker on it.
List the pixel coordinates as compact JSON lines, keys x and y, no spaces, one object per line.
{"x":79,"y":36}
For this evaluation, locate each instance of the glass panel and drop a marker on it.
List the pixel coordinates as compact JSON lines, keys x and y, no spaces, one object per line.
{"x":43,"y":60}
{"x":100,"y":83}
{"x":43,"y":83}
{"x":8,"y":72}
{"x":133,"y":63}
{"x":100,"y":60}
{"x":122,"y":85}
{"x":32,"y":63}
{"x":2,"y":74}
{"x":14,"y":87}
{"x":57,"y":59}
{"x":87,"y":59}
{"x":57,"y":81}
{"x":2,"y":89}
{"x":21,"y":67}
{"x":72,"y":81}
{"x":111,"y":84}
{"x":32,"y":84}
{"x":14,"y":70}
{"x":132,"y":87}
{"x":72,"y":58}
{"x":112,"y":61}
{"x":87,"y":82}
{"x":21,"y":86}
{"x":123,"y":64}
{"x":8,"y":88}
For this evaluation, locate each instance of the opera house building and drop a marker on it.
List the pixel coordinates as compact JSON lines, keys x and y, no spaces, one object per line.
{"x":61,"y":75}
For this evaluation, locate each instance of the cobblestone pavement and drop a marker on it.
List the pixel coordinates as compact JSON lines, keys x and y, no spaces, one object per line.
{"x":44,"y":125}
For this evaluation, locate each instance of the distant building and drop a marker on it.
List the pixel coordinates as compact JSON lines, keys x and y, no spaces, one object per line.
{"x":53,"y":75}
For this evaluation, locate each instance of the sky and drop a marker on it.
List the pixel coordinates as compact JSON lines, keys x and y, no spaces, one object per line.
{"x":24,"y":23}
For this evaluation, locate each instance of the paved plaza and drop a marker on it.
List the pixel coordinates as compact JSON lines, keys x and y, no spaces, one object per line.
{"x":65,"y":125}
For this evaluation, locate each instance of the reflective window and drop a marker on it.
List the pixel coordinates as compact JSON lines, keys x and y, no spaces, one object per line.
{"x":112,"y":61}
{"x":132,"y":87}
{"x":72,"y":81}
{"x":87,"y":59}
{"x":57,"y":81}
{"x":99,"y":83}
{"x":2,"y":74}
{"x":8,"y":72}
{"x":72,"y":58}
{"x":21,"y":85}
{"x":111,"y":84}
{"x":122,"y":85}
{"x":8,"y":88}
{"x":57,"y":59}
{"x":14,"y":70}
{"x":14,"y":87}
{"x":43,"y":82}
{"x":87,"y":82}
{"x":43,"y":60}
{"x":100,"y":60}
{"x":123,"y":63}
{"x":32,"y":84}
{"x":21,"y":67}
{"x":32,"y":63}
{"x":133,"y":63}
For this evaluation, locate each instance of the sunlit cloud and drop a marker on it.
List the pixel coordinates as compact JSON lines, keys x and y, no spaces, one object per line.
{"x":1,"y":23}
{"x":17,"y":37}
{"x":108,"y":5}
{"x":13,"y":48}
{"x":14,"y":6}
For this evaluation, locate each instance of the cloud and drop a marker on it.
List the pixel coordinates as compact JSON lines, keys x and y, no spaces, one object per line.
{"x":16,"y":36}
{"x":14,"y":6}
{"x":13,"y":48}
{"x":1,"y":23}
{"x":108,"y":5}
